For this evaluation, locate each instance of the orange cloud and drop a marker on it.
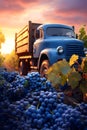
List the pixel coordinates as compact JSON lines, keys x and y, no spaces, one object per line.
{"x":14,"y":14}
{"x":18,"y":11}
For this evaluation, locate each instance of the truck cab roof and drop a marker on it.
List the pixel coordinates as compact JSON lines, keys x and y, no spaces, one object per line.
{"x":44,"y":26}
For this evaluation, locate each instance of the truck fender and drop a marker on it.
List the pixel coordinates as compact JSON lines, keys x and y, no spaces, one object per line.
{"x":50,"y":54}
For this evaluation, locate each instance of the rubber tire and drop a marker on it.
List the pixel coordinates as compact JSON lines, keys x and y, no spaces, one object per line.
{"x":23,"y":67}
{"x":44,"y":67}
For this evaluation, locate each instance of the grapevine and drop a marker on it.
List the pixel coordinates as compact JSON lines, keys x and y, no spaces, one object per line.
{"x":72,"y":74}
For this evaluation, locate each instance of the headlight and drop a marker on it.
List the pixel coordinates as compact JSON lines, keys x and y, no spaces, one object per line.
{"x":60,"y":49}
{"x":85,"y":51}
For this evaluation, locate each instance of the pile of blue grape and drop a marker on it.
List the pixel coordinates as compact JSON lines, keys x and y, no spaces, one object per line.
{"x":31,"y":103}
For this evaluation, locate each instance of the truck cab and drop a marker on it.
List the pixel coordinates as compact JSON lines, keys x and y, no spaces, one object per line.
{"x":54,"y":42}
{"x":38,"y":46}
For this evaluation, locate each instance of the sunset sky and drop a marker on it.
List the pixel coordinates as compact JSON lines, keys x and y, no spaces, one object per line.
{"x":15,"y":14}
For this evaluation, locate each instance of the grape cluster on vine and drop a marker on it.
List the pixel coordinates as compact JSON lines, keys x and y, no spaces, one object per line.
{"x":31,"y":103}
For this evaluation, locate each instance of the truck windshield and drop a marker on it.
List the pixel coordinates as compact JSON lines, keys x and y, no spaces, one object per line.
{"x":54,"y":31}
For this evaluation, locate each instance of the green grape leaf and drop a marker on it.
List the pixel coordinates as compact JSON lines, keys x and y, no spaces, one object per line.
{"x":58,"y":72}
{"x":55,"y":79}
{"x":63,"y":79}
{"x":26,"y":84}
{"x":59,"y":67}
{"x":63,"y":66}
{"x":73,"y":79}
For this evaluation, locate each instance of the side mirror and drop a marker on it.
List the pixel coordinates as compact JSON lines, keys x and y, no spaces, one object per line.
{"x":36,"y":34}
{"x":76,"y":36}
{"x":73,"y":28}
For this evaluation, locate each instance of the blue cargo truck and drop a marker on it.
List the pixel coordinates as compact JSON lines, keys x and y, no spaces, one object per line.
{"x":38,"y":46}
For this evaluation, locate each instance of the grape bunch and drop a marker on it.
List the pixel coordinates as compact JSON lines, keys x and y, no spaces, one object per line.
{"x":31,"y":103}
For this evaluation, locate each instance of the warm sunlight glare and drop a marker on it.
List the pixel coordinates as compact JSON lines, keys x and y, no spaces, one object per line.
{"x":7,"y":47}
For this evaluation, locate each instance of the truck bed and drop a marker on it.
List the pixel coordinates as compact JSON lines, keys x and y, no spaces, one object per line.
{"x":25,"y":38}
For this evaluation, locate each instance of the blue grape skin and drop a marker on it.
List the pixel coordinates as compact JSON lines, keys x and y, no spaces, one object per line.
{"x":37,"y":106}
{"x":42,"y":109}
{"x":9,"y":76}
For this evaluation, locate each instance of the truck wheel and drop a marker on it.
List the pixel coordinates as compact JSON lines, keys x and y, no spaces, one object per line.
{"x":44,"y":67}
{"x":23,"y":68}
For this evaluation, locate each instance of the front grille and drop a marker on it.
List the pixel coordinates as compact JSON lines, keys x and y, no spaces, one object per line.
{"x":74,"y":49}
